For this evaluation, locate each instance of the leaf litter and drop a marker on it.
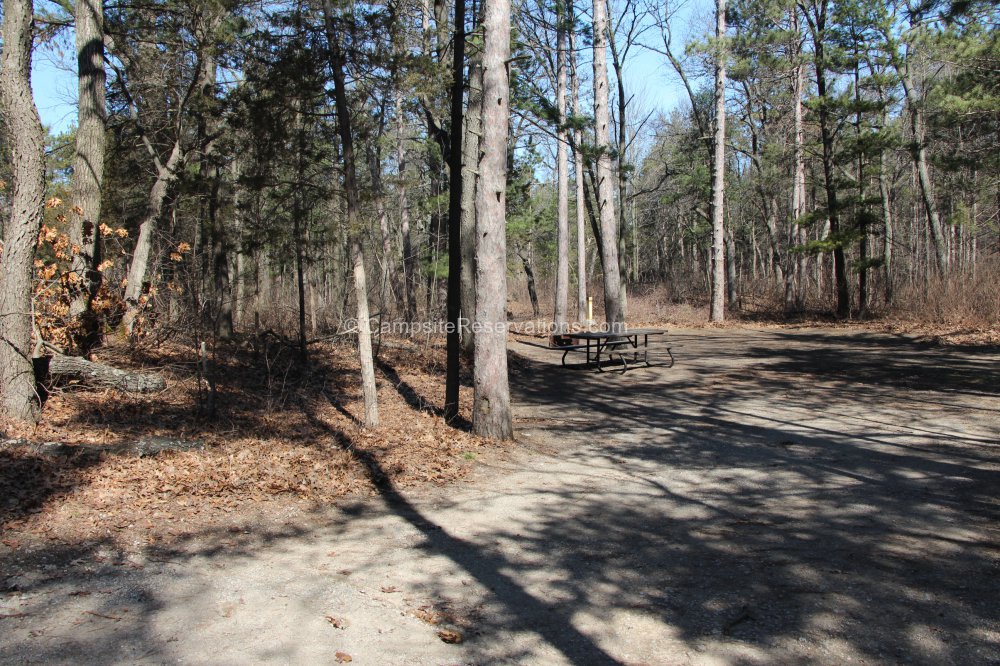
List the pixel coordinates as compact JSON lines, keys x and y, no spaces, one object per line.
{"x":280,"y":439}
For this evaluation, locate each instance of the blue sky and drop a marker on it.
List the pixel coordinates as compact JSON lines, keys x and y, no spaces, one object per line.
{"x":55,"y":91}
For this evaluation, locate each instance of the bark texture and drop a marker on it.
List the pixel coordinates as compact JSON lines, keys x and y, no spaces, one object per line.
{"x":718,"y":309}
{"x":88,"y":165}
{"x":491,"y":412}
{"x":98,"y":374}
{"x":20,"y":232}
{"x":470,"y":148}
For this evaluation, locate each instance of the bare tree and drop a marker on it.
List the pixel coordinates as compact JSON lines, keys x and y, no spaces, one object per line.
{"x":491,"y":411}
{"x":613,"y":311}
{"x":27,"y":141}
{"x":88,"y":166}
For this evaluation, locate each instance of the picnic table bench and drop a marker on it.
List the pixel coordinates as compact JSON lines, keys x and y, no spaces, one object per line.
{"x":625,"y":346}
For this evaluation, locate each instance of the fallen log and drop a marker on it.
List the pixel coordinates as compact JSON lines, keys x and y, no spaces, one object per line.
{"x":144,"y":447}
{"x":98,"y":374}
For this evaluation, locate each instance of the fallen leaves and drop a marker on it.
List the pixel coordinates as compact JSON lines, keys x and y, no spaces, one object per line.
{"x":336,"y":622}
{"x":272,"y":447}
{"x":343,"y":657}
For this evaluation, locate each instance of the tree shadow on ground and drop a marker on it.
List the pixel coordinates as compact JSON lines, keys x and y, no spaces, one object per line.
{"x":768,"y":515}
{"x":733,"y":505}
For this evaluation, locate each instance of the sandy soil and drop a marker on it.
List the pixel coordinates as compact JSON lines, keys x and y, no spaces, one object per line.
{"x":777,"y":496}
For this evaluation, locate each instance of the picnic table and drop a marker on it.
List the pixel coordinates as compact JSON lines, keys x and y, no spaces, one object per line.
{"x":629,"y":345}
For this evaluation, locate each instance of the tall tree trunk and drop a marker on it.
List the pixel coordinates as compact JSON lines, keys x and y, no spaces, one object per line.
{"x":795,"y":292}
{"x":491,"y":416}
{"x":622,"y":140}
{"x":470,"y":146}
{"x":136,"y":282}
{"x":344,"y":129}
{"x":817,"y":25}
{"x":88,"y":168}
{"x":613,"y":310}
{"x":731,"y":294}
{"x":918,"y":148}
{"x":718,"y":309}
{"x":919,"y":153}
{"x":409,"y":260}
{"x":561,"y":314}
{"x":27,"y":141}
{"x":454,"y":353}
{"x":298,"y":233}
{"x":887,"y":238}
{"x":581,"y":236}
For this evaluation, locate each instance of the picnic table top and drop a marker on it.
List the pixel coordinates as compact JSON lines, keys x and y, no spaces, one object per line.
{"x":600,"y":335}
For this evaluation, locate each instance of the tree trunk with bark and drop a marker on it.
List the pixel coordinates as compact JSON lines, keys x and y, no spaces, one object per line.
{"x":88,"y":169}
{"x":491,"y":416}
{"x":817,"y":26}
{"x":581,"y":237}
{"x":98,"y":374}
{"x":613,"y":310}
{"x":887,"y":238}
{"x":561,"y":314}
{"x":453,"y":363}
{"x":344,"y":129}
{"x":470,"y":148}
{"x":718,"y":308}
{"x":20,"y":233}
{"x":409,"y":259}
{"x":136,"y":287}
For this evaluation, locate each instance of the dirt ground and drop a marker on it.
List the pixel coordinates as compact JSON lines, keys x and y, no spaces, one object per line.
{"x":777,"y":496}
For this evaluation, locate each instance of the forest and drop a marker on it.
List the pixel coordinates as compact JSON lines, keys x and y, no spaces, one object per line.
{"x":241,"y":169}
{"x":285,"y":285}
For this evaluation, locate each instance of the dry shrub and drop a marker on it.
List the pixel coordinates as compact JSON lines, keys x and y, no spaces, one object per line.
{"x":656,"y":304}
{"x":964,"y":300}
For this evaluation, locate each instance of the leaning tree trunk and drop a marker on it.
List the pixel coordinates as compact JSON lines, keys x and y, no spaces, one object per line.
{"x":135,"y":285}
{"x":491,"y":415}
{"x":27,"y":141}
{"x":561,"y":316}
{"x":613,"y":310}
{"x":344,"y":129}
{"x":88,"y":168}
{"x":718,"y":310}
